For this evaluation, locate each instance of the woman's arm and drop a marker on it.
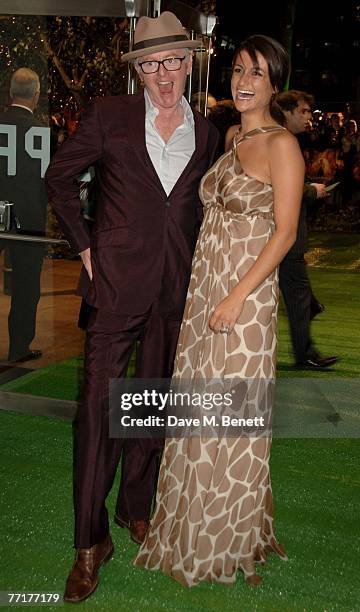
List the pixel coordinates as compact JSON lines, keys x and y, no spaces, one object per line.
{"x":287,"y":170}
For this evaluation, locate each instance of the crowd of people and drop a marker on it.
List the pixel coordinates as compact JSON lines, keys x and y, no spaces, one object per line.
{"x":332,"y":149}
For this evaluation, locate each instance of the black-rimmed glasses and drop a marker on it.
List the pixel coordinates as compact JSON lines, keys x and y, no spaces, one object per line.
{"x":170,"y":63}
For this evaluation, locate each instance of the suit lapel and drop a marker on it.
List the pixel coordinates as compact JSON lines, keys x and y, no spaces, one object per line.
{"x":136,"y":135}
{"x":200,"y":144}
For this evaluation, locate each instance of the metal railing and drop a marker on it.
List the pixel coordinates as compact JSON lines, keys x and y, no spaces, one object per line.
{"x":29,"y":238}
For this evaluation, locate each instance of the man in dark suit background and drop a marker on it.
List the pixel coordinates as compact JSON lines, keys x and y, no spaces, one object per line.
{"x":293,"y":278}
{"x":25,"y":154}
{"x":150,"y":151}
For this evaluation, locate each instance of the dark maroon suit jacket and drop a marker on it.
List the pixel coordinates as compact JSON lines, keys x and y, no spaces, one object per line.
{"x":143,"y":240}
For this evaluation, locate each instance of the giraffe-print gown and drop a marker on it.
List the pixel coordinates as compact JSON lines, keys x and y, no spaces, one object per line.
{"x":214,"y":509}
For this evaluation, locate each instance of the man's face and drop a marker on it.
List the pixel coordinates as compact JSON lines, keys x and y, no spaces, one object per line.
{"x":298,"y":119}
{"x":165,"y":87}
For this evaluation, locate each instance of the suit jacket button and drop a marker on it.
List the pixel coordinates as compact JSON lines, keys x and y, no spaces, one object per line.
{"x":167,"y":203}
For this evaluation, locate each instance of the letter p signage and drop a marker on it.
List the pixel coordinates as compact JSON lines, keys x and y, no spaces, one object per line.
{"x":43,"y":153}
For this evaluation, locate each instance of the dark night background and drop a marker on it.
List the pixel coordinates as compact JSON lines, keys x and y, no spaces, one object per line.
{"x":325,"y":45}
{"x":323,"y":39}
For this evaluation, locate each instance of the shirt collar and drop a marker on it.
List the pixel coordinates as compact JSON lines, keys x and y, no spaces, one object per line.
{"x":152,"y":112}
{"x":22,"y":106}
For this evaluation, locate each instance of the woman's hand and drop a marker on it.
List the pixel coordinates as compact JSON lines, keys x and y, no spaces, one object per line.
{"x":226,"y":313}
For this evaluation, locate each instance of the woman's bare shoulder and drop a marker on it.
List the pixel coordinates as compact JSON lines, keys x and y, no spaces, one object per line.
{"x":230,"y":135}
{"x":282,"y":140}
{"x":284,"y":154}
{"x":283,"y":145}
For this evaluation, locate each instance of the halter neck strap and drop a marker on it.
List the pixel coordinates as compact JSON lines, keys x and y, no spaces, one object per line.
{"x":259,"y":130}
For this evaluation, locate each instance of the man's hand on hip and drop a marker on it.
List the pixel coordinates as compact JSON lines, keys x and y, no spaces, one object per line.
{"x":86,"y":259}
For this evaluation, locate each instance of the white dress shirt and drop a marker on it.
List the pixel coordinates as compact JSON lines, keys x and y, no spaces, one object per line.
{"x":169,"y":158}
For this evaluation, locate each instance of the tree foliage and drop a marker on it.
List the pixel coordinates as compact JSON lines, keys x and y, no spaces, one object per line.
{"x":76,"y":58}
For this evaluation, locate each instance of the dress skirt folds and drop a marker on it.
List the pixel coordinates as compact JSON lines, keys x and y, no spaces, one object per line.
{"x":214,"y":506}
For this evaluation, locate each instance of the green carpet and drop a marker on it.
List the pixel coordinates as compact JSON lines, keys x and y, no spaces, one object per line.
{"x":61,"y":380}
{"x":335,"y":332}
{"x":316,"y":485}
{"x":316,"y":488}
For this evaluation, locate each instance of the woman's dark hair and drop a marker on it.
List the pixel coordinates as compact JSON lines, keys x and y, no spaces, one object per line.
{"x":278,"y":62}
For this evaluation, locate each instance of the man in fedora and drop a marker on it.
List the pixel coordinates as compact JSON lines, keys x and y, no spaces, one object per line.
{"x":150,"y":151}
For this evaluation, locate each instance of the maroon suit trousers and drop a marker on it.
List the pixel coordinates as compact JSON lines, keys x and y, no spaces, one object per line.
{"x":110,"y":340}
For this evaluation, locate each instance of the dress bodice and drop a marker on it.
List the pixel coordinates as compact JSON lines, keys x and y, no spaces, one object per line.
{"x":227,"y":185}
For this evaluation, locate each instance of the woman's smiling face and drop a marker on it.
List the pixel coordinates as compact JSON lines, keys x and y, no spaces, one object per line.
{"x":250,"y":83}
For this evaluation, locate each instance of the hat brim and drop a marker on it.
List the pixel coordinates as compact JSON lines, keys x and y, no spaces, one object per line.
{"x":185,"y":44}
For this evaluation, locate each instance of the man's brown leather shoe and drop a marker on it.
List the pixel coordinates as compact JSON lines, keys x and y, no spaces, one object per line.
{"x":83,"y":578}
{"x":137,"y":528}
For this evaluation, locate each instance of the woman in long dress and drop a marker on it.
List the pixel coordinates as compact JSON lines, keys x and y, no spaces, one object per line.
{"x":214,"y":509}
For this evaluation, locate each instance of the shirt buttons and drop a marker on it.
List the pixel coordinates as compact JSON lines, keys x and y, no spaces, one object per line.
{"x":167,"y":203}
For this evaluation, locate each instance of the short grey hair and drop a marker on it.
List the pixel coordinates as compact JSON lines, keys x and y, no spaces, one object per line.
{"x":25,"y":83}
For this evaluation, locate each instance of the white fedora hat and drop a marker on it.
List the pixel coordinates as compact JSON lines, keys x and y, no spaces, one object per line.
{"x":158,"y":34}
